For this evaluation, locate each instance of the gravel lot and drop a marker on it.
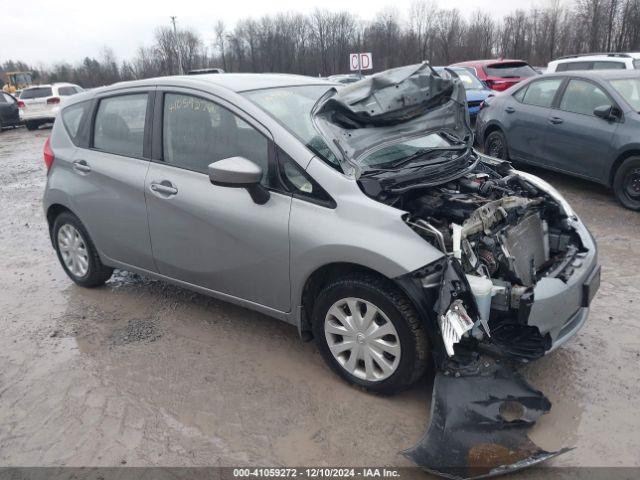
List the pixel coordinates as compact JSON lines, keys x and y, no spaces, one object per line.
{"x":150,"y":374}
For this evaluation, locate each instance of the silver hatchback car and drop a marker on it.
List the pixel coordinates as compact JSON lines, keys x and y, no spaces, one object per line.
{"x":360,"y":214}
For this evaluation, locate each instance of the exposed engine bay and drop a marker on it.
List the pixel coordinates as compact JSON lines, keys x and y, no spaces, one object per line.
{"x":505,"y":234}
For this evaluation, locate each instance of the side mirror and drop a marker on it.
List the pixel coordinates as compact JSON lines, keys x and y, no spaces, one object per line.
{"x":238,"y":172}
{"x":606,"y":112}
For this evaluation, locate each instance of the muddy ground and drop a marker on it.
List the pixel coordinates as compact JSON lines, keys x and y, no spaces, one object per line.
{"x":150,"y":374}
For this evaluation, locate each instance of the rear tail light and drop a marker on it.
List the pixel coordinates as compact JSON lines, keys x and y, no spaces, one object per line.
{"x":53,"y":100}
{"x":20,"y":104}
{"x":48,"y":154}
{"x":498,"y":85}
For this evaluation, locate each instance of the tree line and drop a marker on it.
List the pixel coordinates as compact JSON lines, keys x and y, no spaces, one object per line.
{"x":319,"y":43}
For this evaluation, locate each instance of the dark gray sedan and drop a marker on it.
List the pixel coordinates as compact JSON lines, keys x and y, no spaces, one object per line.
{"x":9,"y":112}
{"x":581,"y":123}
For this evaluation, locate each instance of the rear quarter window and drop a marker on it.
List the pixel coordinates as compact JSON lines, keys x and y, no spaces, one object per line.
{"x":66,"y":91}
{"x":73,"y":118}
{"x":39,"y":92}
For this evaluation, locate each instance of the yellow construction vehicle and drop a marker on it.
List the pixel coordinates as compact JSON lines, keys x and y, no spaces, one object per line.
{"x":15,"y":81}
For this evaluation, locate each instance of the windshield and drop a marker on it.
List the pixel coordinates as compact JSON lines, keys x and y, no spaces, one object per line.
{"x":410,"y":150}
{"x":510,"y":70}
{"x":629,"y":88}
{"x":291,"y":107}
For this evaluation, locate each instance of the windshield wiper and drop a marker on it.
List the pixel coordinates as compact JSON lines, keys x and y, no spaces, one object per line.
{"x":422,"y":153}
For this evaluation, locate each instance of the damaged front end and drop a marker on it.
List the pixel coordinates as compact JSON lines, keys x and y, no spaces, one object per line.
{"x":518,"y":268}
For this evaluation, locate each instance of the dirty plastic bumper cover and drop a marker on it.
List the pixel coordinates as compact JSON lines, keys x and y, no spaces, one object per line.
{"x":479,"y":423}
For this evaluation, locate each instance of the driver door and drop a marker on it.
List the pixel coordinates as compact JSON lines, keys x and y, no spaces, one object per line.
{"x":211,"y":236}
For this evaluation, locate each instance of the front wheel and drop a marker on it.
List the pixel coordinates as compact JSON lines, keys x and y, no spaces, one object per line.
{"x":370,"y":334}
{"x":76,"y":252}
{"x":626,"y":183}
{"x":495,"y":145}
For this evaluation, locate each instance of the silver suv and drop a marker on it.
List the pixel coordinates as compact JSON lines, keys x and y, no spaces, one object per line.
{"x":360,"y":214}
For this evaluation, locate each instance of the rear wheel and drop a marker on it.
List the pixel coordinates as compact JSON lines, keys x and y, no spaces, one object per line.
{"x":76,"y":252}
{"x":495,"y":145}
{"x":370,"y":334}
{"x":31,"y":125}
{"x":626,"y":183}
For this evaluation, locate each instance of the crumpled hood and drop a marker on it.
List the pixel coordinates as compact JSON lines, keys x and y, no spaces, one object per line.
{"x":391,"y":106}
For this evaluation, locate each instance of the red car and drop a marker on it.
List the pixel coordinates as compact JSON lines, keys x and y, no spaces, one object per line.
{"x":499,"y":74}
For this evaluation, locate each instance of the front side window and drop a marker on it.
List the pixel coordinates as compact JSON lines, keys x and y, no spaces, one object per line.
{"x":119,"y":125}
{"x":197,"y":132}
{"x":583,"y":97}
{"x":542,"y":92}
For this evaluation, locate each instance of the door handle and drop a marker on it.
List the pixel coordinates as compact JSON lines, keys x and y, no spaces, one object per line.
{"x":81,"y":166}
{"x":164,"y":188}
{"x":509,"y":109}
{"x":556,"y":120}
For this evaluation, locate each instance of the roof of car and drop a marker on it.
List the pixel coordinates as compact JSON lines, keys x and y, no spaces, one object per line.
{"x":48,"y":85}
{"x":488,"y":61}
{"x":237,"y":82}
{"x":597,"y":56}
{"x":595,"y":74}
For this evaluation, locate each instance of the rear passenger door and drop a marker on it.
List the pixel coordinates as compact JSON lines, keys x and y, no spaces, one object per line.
{"x":213,"y":236}
{"x":526,"y":119}
{"x":579,"y":142}
{"x":109,"y":175}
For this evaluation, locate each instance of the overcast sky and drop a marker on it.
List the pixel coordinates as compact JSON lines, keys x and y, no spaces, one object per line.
{"x":49,"y":32}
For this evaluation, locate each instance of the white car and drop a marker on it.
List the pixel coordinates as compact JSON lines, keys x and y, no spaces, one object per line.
{"x":39,"y":105}
{"x":598,"y":61}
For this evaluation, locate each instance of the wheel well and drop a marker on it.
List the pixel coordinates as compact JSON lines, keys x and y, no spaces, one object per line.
{"x":52,"y":213}
{"x":619,"y":161}
{"x":490,"y":129}
{"x":319,"y":279}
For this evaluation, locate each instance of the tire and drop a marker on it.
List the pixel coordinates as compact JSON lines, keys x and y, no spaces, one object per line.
{"x":497,"y":142}
{"x":626,"y":183}
{"x":88,"y":273}
{"x":404,"y":366}
{"x":31,"y":126}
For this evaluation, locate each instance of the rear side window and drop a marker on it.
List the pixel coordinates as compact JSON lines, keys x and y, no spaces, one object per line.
{"x":66,"y":91}
{"x":510,"y":70}
{"x":119,"y":125}
{"x":570,"y":66}
{"x":73,"y":116}
{"x":38,"y":92}
{"x":541,"y":92}
{"x":583,"y":97}
{"x":197,"y":132}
